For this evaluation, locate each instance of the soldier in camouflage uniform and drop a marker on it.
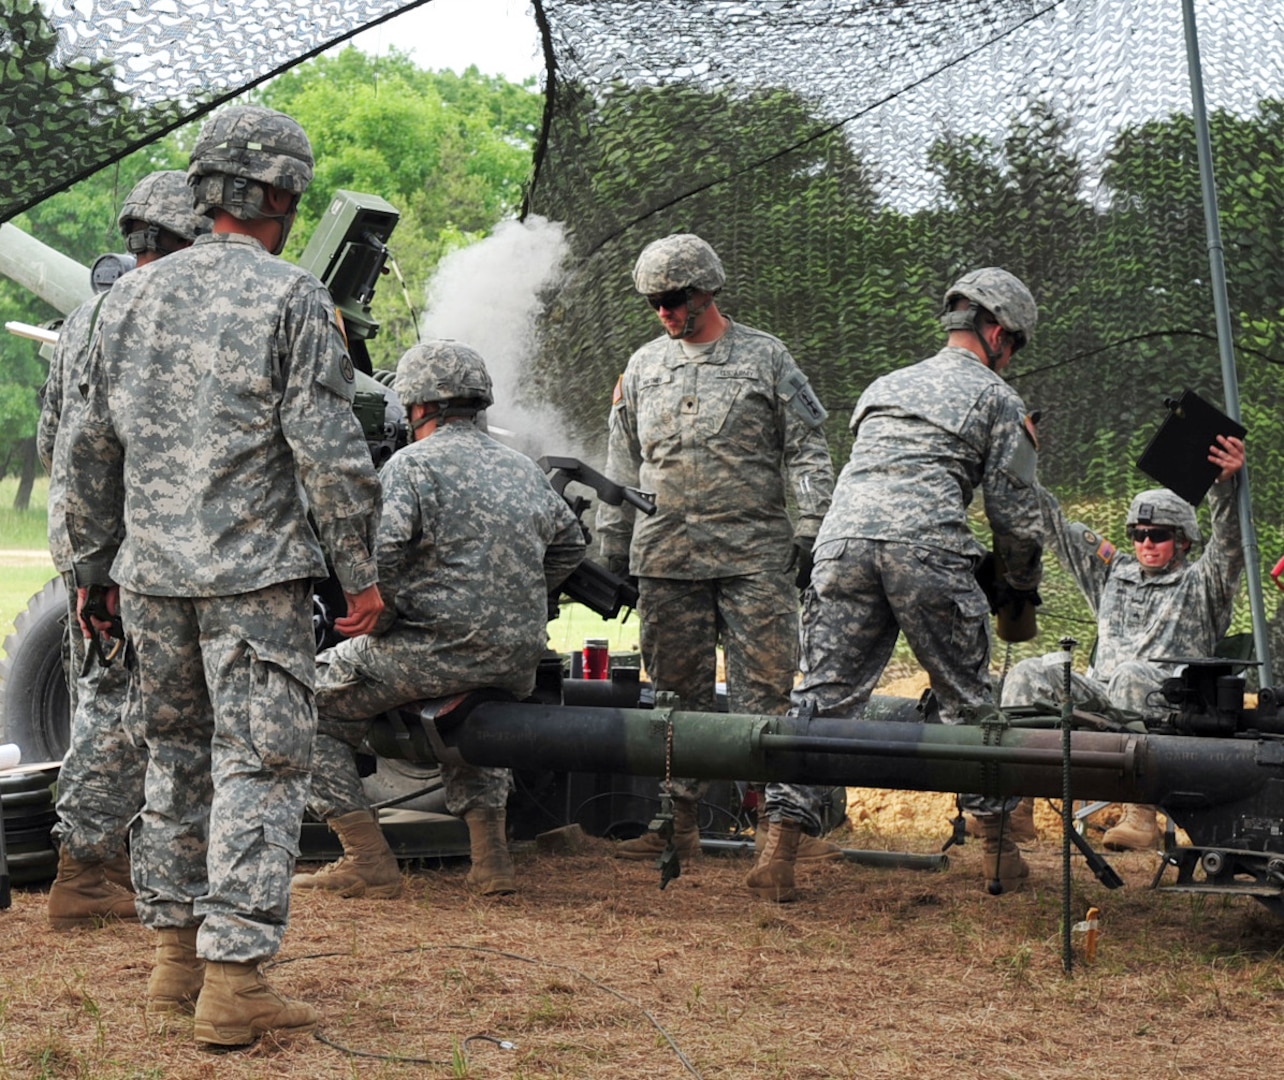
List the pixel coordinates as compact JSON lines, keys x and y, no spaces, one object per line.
{"x":1153,"y":603}
{"x":718,"y":421}
{"x":100,"y":784}
{"x":218,"y":438}
{"x":472,"y":540}
{"x":895,"y":553}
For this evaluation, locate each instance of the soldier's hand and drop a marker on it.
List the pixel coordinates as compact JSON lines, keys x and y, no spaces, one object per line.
{"x":364,"y":609}
{"x":1228,"y":455}
{"x":93,"y":622}
{"x":618,"y":565}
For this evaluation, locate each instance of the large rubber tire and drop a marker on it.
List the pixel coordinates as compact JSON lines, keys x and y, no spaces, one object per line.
{"x":35,"y":709}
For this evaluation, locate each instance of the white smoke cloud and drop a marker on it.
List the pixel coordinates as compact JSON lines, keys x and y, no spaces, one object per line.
{"x":487,"y":296}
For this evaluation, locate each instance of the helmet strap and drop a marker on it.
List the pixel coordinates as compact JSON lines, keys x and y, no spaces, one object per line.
{"x":693,"y":313}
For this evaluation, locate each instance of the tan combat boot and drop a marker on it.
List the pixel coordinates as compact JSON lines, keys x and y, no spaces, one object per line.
{"x":237,"y":1005}
{"x":81,"y":895}
{"x":492,"y":870}
{"x":1137,"y":830}
{"x":176,"y":978}
{"x":810,"y":848}
{"x":1005,"y":870}
{"x":1020,"y":824}
{"x":650,"y":845}
{"x":118,"y":871}
{"x":368,"y":867}
{"x":773,"y":877}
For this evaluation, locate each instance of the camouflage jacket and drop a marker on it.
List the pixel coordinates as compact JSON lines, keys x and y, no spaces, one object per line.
{"x":471,"y":541}
{"x":59,"y":401}
{"x":217,"y":427}
{"x":1182,"y":610}
{"x":926,"y":437}
{"x":716,"y":438}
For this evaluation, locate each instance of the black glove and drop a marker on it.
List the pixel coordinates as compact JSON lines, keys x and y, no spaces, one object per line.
{"x":987,"y":577}
{"x":1014,"y":600}
{"x":803,"y":560}
{"x":618,"y":565}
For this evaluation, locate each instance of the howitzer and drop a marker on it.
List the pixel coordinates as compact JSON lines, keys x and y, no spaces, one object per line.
{"x":592,"y":584}
{"x":1225,"y":790}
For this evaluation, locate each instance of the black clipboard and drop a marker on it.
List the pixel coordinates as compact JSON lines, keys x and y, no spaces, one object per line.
{"x":1177,"y":454}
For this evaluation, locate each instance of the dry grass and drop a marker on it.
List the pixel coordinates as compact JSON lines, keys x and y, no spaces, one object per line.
{"x":593,"y":972}
{"x":590,"y":969}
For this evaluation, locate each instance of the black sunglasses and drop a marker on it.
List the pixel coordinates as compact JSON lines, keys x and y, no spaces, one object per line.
{"x":673,"y":299}
{"x":1155,"y":536}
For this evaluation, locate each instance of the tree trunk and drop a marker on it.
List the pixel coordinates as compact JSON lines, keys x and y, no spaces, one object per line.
{"x":23,"y":497}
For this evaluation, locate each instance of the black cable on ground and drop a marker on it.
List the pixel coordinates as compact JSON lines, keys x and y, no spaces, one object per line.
{"x":505,"y":1044}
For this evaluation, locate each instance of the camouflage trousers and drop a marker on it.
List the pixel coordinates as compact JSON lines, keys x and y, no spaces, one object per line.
{"x":863,"y":593}
{"x":364,"y":676}
{"x":222,"y":697}
{"x":100,"y":784}
{"x":1042,"y":678}
{"x":755,"y":619}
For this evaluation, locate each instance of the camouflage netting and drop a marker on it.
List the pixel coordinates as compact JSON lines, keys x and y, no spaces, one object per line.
{"x":849,"y":160}
{"x":85,"y":82}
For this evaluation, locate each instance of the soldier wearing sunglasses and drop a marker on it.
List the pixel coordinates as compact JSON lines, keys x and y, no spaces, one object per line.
{"x":1155,"y":602}
{"x":718,"y":420}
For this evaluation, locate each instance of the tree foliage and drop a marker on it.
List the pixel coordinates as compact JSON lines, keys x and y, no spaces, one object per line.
{"x":450,"y":151}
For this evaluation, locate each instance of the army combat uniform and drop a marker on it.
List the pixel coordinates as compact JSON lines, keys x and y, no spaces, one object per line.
{"x":100,"y":784}
{"x":717,"y":432}
{"x":471,"y":540}
{"x":1182,"y":610}
{"x":218,"y":427}
{"x":895,"y":552}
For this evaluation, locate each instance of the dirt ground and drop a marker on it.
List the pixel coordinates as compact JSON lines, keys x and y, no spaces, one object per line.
{"x":591,"y":970}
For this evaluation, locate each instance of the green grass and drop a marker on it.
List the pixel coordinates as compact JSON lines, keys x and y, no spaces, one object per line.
{"x":22,"y":530}
{"x":567,"y":632}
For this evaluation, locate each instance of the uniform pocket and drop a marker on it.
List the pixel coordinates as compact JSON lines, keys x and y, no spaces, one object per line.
{"x":282,"y":713}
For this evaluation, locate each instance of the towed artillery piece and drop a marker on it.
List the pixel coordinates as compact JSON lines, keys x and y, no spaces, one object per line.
{"x":1214,"y":766}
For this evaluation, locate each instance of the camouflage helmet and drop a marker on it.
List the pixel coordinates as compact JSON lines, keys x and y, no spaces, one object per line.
{"x":1002,"y":294}
{"x":440,"y":371}
{"x":160,"y":200}
{"x":1159,"y":506}
{"x":248,"y":142}
{"x":680,"y":261}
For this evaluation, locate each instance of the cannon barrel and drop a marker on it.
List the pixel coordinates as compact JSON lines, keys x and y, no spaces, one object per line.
{"x":60,"y":281}
{"x":1222,"y":790}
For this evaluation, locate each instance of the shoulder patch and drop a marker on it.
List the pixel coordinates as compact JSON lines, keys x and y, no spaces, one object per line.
{"x":346,"y":370}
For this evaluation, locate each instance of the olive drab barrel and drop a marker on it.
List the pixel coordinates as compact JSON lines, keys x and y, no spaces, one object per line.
{"x":1215,"y":767}
{"x":60,"y":281}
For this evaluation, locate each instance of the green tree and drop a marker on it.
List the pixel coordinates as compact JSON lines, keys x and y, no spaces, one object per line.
{"x":450,"y":151}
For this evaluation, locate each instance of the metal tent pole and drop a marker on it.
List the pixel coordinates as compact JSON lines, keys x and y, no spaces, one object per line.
{"x":1225,"y":344}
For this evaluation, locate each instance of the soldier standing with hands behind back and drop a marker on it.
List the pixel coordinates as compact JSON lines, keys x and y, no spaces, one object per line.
{"x":718,"y":421}
{"x":217,"y":438}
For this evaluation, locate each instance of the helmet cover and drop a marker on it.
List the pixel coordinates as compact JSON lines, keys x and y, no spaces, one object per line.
{"x":440,"y":371}
{"x":680,"y":261}
{"x":1000,"y":293}
{"x":163,"y":199}
{"x":248,"y":142}
{"x":1160,"y":506}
